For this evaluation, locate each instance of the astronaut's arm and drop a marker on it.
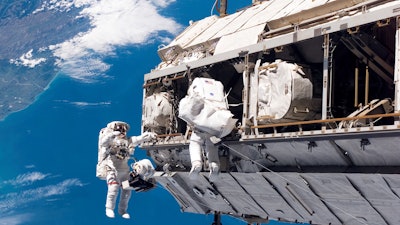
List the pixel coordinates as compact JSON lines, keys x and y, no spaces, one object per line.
{"x":107,"y":139}
{"x":146,"y":136}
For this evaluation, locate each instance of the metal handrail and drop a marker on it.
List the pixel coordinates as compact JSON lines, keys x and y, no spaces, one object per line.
{"x":327,"y":120}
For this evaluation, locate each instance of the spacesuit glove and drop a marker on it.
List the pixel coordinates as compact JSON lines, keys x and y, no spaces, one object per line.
{"x":115,"y":133}
{"x":148,"y":136}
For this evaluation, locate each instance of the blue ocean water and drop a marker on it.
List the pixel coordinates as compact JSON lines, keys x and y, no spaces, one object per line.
{"x":58,"y":133}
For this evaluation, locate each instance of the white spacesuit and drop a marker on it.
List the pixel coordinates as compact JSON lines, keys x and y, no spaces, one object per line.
{"x":115,"y":149}
{"x":205,"y":110}
{"x":198,"y":141}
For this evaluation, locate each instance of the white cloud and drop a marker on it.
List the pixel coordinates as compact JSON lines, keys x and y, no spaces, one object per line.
{"x":15,"y":219}
{"x":14,"y":200}
{"x":85,"y":104}
{"x":24,"y":190}
{"x":114,"y":24}
{"x":162,"y":3}
{"x":27,"y":60}
{"x":82,"y":68}
{"x":58,"y":189}
{"x":62,"y":5}
{"x":26,"y":179}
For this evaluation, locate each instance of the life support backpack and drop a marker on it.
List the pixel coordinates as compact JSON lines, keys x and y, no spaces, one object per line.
{"x":101,"y":170}
{"x":205,"y":108}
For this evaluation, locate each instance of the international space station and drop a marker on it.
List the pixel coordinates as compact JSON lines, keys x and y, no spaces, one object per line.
{"x":315,"y":88}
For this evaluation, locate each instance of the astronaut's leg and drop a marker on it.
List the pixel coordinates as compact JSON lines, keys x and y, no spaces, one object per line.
{"x":123,"y":203}
{"x":124,"y":197}
{"x":112,"y":193}
{"x":195,"y":155}
{"x":213,"y":159}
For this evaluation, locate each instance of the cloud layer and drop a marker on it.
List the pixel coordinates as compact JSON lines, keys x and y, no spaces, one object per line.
{"x":113,"y":24}
{"x":85,"y":104}
{"x":24,"y":189}
{"x":26,"y":179}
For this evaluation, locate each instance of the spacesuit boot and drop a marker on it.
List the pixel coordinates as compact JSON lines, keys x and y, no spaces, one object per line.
{"x":110,"y":213}
{"x":126,"y":216}
{"x":195,"y":171}
{"x":214,"y":172}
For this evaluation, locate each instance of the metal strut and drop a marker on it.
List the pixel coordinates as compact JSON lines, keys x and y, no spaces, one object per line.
{"x":331,"y":49}
{"x":397,"y":72}
{"x":217,"y":219}
{"x":222,"y":8}
{"x":325,"y":85}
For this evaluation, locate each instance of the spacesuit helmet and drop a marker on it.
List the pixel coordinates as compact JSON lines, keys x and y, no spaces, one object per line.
{"x":118,"y":126}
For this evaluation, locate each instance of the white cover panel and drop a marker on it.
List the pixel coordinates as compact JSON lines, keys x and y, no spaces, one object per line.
{"x":157,"y":110}
{"x":378,"y":193}
{"x":315,"y":198}
{"x":266,"y":196}
{"x":214,"y":28}
{"x":288,"y":9}
{"x":273,"y":11}
{"x":304,"y":5}
{"x":306,"y":200}
{"x":299,"y":154}
{"x":193,"y":31}
{"x":380,"y":151}
{"x":342,"y":198}
{"x":393,"y":181}
{"x":239,"y":21}
{"x":297,"y":6}
{"x":278,"y":86}
{"x":274,"y":7}
{"x":237,"y":196}
{"x":247,"y":37}
{"x":275,"y":93}
{"x":298,"y":11}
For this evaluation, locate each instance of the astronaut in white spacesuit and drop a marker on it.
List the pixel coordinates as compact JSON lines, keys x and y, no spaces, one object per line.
{"x":205,"y":110}
{"x":115,"y":149}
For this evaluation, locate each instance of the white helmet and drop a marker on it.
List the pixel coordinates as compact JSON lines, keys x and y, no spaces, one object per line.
{"x":118,"y":126}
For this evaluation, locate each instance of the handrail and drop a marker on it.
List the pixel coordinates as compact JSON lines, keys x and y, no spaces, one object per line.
{"x":165,"y":79}
{"x":169,"y":135}
{"x":326,"y":120}
{"x":151,"y":83}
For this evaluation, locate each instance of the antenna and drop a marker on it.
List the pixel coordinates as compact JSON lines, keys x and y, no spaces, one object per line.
{"x":223,"y":5}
